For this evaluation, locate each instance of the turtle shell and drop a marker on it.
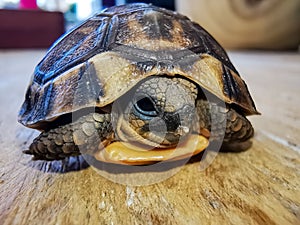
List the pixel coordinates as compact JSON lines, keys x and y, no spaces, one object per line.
{"x":105,"y":56}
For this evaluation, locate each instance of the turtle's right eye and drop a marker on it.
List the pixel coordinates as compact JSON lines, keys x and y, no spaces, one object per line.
{"x":145,"y":106}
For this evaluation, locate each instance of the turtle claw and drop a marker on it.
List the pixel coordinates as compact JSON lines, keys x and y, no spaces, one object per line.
{"x":28,"y":152}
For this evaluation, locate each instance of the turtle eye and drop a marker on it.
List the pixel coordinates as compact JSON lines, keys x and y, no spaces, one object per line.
{"x":145,"y":106}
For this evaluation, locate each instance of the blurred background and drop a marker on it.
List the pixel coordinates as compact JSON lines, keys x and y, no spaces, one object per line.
{"x":236,"y":24}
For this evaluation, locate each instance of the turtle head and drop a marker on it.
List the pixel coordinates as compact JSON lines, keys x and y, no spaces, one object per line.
{"x":160,"y":112}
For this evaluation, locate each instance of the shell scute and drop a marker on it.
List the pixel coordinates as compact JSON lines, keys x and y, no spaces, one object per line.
{"x":100,"y":60}
{"x":73,"y":48}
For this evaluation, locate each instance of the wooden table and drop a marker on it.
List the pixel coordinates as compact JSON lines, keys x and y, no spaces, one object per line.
{"x":259,"y":186}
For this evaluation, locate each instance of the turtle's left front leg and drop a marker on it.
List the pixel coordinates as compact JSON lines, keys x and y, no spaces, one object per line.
{"x":224,"y":124}
{"x":81,"y":136}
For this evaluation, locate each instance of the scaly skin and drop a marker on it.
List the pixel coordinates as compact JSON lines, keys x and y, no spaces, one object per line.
{"x":90,"y":130}
{"x":238,"y":129}
{"x":72,"y":139}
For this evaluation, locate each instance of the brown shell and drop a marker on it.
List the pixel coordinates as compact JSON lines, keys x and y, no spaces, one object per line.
{"x":100,"y":60}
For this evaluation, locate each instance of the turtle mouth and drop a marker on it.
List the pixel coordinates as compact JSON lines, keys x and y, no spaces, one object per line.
{"x":152,"y":138}
{"x":133,"y":149}
{"x":135,"y":154}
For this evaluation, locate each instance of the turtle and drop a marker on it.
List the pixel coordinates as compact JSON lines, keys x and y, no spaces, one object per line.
{"x":139,"y":74}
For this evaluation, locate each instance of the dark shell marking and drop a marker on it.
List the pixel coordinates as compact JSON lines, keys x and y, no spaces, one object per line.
{"x":145,"y":40}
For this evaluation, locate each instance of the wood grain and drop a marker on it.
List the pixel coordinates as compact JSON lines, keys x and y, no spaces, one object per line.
{"x":259,"y":186}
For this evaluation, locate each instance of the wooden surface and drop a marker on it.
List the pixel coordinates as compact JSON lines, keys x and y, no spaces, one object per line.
{"x":259,"y":186}
{"x":258,"y":24}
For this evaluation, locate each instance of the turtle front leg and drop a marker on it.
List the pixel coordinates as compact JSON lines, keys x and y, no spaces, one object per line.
{"x":238,"y":132}
{"x":81,"y":136}
{"x":238,"y":129}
